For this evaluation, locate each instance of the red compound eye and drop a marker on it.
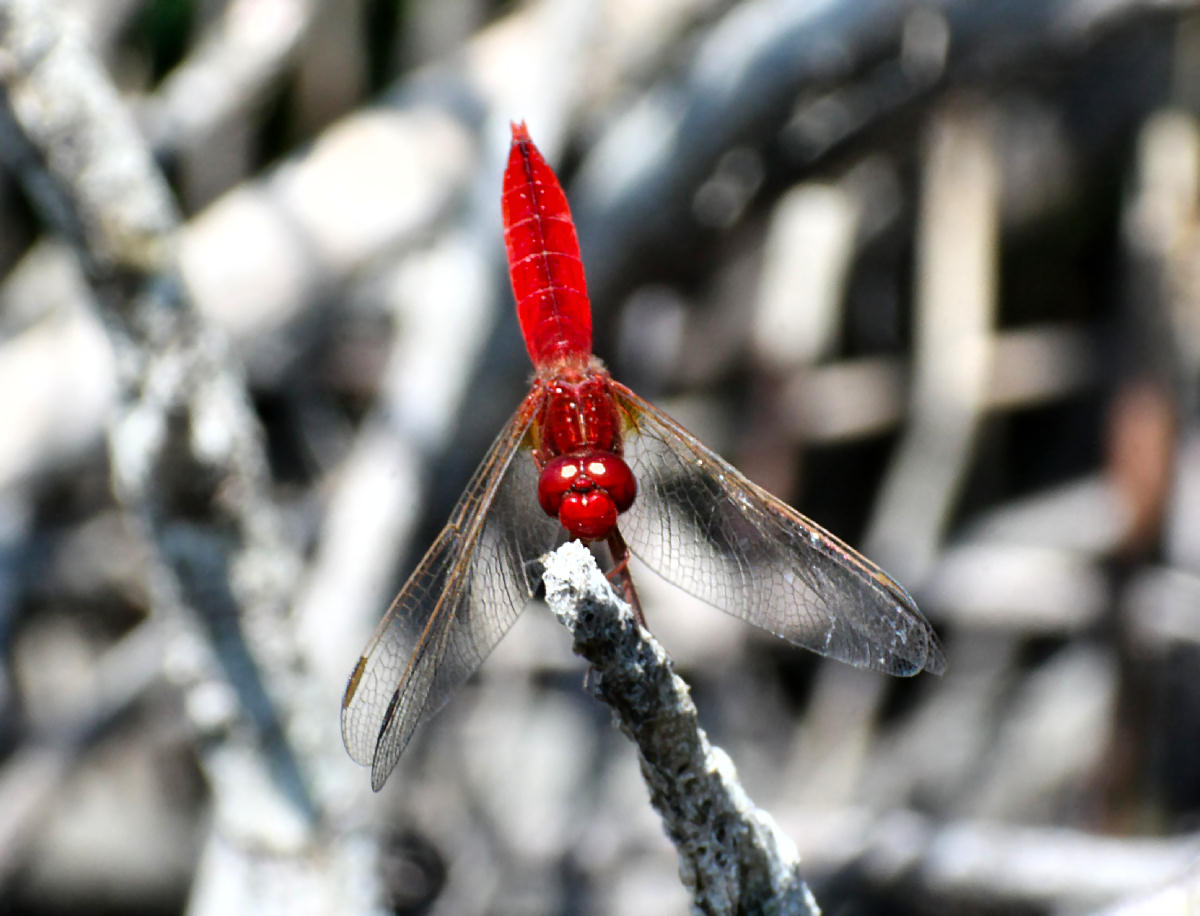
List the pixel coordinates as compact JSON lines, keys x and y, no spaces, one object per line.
{"x":588,"y":516}
{"x":558,"y":476}
{"x":611,"y":474}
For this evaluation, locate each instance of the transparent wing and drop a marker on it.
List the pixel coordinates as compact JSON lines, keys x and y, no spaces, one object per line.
{"x":702,"y":525}
{"x":467,"y":591}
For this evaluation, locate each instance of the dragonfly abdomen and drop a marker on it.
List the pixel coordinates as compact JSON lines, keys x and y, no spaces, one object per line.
{"x":543,"y":255}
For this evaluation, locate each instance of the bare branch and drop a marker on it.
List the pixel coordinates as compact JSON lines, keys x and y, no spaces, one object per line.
{"x":234,"y":65}
{"x":732,"y":856}
{"x":30,"y":777}
{"x":187,"y":459}
{"x":1010,"y":867}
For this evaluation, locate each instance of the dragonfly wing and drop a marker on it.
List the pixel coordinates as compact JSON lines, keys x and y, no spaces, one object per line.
{"x":701,"y":524}
{"x":467,"y":591}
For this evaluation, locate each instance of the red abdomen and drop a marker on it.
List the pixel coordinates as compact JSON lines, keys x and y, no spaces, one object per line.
{"x":543,"y":258}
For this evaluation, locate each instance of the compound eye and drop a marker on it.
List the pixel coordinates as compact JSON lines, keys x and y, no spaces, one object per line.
{"x":557,"y":478}
{"x":589,"y":516}
{"x":609,"y":472}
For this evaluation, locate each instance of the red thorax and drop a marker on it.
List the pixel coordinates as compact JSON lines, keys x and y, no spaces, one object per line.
{"x":584,"y":481}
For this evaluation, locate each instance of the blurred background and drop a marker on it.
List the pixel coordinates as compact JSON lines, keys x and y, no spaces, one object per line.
{"x":928,"y":271}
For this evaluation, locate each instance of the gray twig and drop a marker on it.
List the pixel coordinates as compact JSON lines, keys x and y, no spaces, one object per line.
{"x":732,"y":856}
{"x":232,"y":68}
{"x":189,"y":466}
{"x":186,"y":454}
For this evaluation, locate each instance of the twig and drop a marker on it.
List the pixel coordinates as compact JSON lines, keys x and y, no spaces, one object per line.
{"x":1181,"y":895}
{"x":746,"y":76}
{"x":187,"y":462}
{"x":233,"y":67}
{"x":863,"y":395}
{"x":732,"y":856}
{"x":955,"y":300}
{"x":1006,"y":866}
{"x":30,"y":777}
{"x":186,"y":455}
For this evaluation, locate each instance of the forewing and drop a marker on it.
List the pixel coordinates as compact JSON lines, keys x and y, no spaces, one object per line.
{"x":702,"y":525}
{"x":467,"y":591}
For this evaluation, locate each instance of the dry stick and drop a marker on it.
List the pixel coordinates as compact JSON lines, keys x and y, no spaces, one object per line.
{"x":742,"y":80}
{"x":1000,"y":867}
{"x":188,"y":465}
{"x":732,"y":856}
{"x":956,"y":300}
{"x":231,"y":70}
{"x":31,"y":776}
{"x":187,"y":458}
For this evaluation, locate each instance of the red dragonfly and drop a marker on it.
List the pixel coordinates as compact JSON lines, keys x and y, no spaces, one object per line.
{"x":604,"y":465}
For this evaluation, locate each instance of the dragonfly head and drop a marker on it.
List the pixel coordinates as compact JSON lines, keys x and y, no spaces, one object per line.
{"x":585,"y":492}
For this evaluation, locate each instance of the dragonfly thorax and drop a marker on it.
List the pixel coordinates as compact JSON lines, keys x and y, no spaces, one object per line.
{"x":584,"y":481}
{"x":585,"y":492}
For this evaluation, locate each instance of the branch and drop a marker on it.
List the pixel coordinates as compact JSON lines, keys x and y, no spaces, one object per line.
{"x":747,"y":81}
{"x":231,"y":70}
{"x":187,"y":458}
{"x":732,"y":856}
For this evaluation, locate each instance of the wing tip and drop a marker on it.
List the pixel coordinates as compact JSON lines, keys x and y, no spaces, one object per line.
{"x":935,"y":658}
{"x":931,"y":661}
{"x":379,"y":776}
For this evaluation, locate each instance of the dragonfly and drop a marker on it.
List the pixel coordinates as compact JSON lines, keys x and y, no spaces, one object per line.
{"x":585,"y":457}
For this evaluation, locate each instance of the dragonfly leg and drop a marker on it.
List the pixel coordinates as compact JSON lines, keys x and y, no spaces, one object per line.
{"x":620,"y":577}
